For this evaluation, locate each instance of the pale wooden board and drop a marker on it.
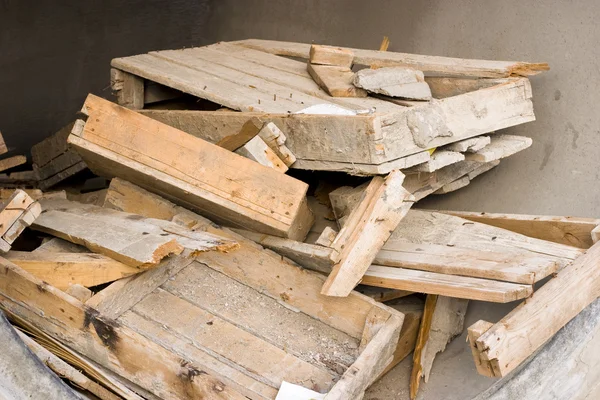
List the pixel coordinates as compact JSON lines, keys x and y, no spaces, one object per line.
{"x":440,"y":65}
{"x":442,"y":87}
{"x":471,"y":144}
{"x":257,"y":150}
{"x":439,"y":159}
{"x":11,"y":162}
{"x":525,"y":329}
{"x":56,"y":245}
{"x":329,"y":55}
{"x":384,"y":204}
{"x":118,"y":142}
{"x":501,"y":146}
{"x":445,"y":285}
{"x":454,"y":185}
{"x":62,"y":270}
{"x":572,"y":231}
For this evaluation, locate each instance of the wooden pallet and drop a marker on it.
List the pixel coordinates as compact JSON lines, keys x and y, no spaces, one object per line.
{"x":250,"y":80}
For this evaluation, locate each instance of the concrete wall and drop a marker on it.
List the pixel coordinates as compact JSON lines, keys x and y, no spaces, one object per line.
{"x":559,"y":174}
{"x":53,"y":53}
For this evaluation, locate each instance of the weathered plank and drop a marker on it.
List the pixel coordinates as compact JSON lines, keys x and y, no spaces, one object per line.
{"x":572,"y":231}
{"x":439,"y":65}
{"x":445,"y":285}
{"x":369,"y":225}
{"x":335,"y":80}
{"x":525,"y":329}
{"x":257,"y":150}
{"x":501,"y":146}
{"x":61,"y":270}
{"x":199,"y":175}
{"x":12,"y":162}
{"x":329,"y":55}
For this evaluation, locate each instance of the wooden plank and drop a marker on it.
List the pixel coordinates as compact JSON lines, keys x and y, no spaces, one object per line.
{"x":454,"y":185}
{"x":572,"y":231}
{"x":395,"y":82}
{"x":337,"y":81}
{"x":3,"y":148}
{"x":112,"y":345}
{"x":275,"y":139}
{"x":532,"y":323}
{"x":61,"y":176}
{"x":439,"y":65}
{"x":56,"y":165}
{"x":310,"y":137}
{"x":445,"y":285}
{"x":447,"y":322}
{"x":294,"y":286}
{"x":12,"y":162}
{"x":80,"y":292}
{"x":62,"y":270}
{"x":247,"y":132}
{"x":370,"y":364}
{"x":236,"y":191}
{"x":329,"y":55}
{"x":442,"y":87}
{"x":134,"y":240}
{"x":51,"y":147}
{"x":596,"y":234}
{"x":129,"y":89}
{"x":369,"y":225}
{"x":473,"y":333}
{"x":501,"y":146}
{"x":439,"y":159}
{"x":230,"y":342}
{"x":424,"y":330}
{"x":56,"y":245}
{"x":257,"y":150}
{"x":326,"y":237}
{"x":311,"y":256}
{"x":13,"y":208}
{"x":526,"y":269}
{"x":471,"y":145}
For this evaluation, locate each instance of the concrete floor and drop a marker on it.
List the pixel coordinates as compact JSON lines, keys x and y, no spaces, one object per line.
{"x":558,"y":175}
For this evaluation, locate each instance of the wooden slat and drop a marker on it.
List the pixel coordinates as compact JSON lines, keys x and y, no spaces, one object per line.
{"x":445,"y":285}
{"x":337,"y":81}
{"x":439,"y":65}
{"x":385,"y":202}
{"x":129,"y":238}
{"x":11,"y":162}
{"x":424,"y":330}
{"x":466,"y":262}
{"x":61,"y":270}
{"x":442,"y":87}
{"x":525,"y":329}
{"x":116,"y":347}
{"x":572,"y":231}
{"x":501,"y":146}
{"x":119,"y":142}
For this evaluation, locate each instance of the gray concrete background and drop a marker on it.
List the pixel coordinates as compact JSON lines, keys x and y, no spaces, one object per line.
{"x":559,"y":173}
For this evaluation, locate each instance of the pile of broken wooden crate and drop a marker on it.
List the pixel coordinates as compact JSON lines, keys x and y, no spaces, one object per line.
{"x":240,"y":197}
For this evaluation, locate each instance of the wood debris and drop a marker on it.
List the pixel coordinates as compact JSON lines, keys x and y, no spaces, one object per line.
{"x":200,"y":262}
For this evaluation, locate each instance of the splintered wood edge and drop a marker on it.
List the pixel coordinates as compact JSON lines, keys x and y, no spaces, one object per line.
{"x":79,"y":125}
{"x":474,"y":332}
{"x":422,"y":338}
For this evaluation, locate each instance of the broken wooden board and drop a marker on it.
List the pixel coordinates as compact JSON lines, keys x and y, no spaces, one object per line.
{"x":257,"y":150}
{"x":62,"y":270}
{"x":447,"y":322}
{"x":216,"y":71}
{"x":329,"y":55}
{"x":326,"y":237}
{"x":129,"y":238}
{"x":501,"y":146}
{"x":275,"y":139}
{"x":17,"y":213}
{"x":572,"y":231}
{"x":442,"y":87}
{"x":471,"y":145}
{"x":525,"y":329}
{"x":62,"y":175}
{"x":381,"y":208}
{"x":454,"y":185}
{"x":195,"y":173}
{"x":424,"y":329}
{"x":12,"y":162}
{"x":436,"y":64}
{"x":439,"y":159}
{"x":128,"y":88}
{"x":247,"y":132}
{"x":446,"y":285}
{"x":336,"y":81}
